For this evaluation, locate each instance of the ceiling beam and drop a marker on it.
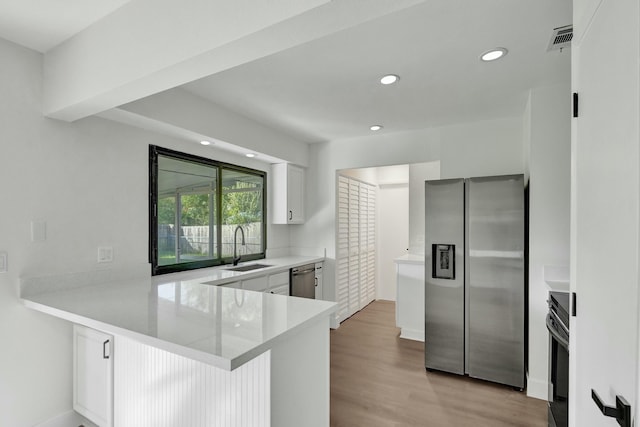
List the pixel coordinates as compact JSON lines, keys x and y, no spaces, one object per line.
{"x":148,"y":46}
{"x":183,"y":115}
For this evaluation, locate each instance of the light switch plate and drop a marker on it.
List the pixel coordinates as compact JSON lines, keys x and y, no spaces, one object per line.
{"x":4,"y":262}
{"x":105,"y":254}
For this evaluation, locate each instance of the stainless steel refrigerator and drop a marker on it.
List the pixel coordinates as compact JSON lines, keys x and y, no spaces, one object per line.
{"x":474,"y":278}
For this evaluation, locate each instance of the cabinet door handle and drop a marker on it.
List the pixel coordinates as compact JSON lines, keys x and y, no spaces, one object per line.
{"x":104,"y":350}
{"x":316,"y":282}
{"x":290,"y":215}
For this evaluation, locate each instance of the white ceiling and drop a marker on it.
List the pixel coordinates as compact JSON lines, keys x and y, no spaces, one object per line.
{"x":328,"y":89}
{"x":43,"y":24}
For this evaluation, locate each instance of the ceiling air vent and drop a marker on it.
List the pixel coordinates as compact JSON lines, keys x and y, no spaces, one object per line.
{"x":561,"y":38}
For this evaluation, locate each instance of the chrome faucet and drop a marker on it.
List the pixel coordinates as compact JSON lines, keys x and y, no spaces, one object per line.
{"x":236,"y":258}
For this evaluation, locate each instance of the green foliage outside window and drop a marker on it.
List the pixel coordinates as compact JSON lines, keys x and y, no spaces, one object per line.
{"x":195,"y":209}
{"x":241,"y":207}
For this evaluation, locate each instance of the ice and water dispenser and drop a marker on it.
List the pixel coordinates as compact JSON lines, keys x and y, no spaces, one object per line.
{"x":444,"y":261}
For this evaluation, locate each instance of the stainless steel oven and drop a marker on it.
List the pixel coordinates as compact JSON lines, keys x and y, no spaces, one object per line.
{"x":558,"y":326}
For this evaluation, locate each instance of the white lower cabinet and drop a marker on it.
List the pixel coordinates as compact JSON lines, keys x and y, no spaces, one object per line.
{"x":280,"y":290}
{"x":259,"y":284}
{"x":279,"y":283}
{"x":93,"y":375}
{"x":410,"y":299}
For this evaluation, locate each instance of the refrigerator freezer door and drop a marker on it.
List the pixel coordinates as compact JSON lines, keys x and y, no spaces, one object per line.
{"x":444,"y":296}
{"x":495,"y":227}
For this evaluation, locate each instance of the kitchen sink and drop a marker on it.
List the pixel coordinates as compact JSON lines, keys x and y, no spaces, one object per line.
{"x":248,"y":267}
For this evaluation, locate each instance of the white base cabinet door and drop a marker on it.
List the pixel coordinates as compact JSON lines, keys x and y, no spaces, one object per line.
{"x":93,"y":375}
{"x":279,"y":283}
{"x":410,"y":300}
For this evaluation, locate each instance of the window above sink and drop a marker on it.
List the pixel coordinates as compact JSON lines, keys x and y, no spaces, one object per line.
{"x":196,"y":204}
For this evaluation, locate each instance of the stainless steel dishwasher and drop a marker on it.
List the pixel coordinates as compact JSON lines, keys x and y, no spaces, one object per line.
{"x":303,"y":282}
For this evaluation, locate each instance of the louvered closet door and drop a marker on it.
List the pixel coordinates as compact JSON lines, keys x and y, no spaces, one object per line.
{"x":354,"y":247}
{"x":342,"y":249}
{"x":364,"y":246}
{"x":371,"y":242}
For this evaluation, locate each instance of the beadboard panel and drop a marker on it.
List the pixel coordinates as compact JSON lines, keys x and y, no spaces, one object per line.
{"x":155,"y":388}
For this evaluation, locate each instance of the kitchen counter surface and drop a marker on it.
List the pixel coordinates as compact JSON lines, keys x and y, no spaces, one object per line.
{"x":222,"y":275}
{"x":410,"y":259}
{"x":185,"y":313}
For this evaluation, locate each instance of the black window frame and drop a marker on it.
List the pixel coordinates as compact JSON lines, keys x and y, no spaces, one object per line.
{"x":154,"y":152}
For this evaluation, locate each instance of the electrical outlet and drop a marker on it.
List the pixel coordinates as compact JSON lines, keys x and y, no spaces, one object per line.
{"x":105,"y":254}
{"x":4,"y":262}
{"x":38,"y":231}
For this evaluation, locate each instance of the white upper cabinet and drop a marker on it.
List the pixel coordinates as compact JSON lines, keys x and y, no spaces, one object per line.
{"x":288,"y":194}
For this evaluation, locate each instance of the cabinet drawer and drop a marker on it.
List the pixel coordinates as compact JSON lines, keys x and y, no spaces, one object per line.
{"x":279,"y":279}
{"x":280,"y":290}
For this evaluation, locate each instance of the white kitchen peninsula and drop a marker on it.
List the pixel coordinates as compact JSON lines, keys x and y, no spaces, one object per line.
{"x":188,"y":351}
{"x":410,"y":296}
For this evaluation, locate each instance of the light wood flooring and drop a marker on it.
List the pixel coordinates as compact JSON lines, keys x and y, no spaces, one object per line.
{"x":379,"y":379}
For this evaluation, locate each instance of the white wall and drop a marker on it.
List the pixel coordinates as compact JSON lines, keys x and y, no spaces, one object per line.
{"x":88,"y":180}
{"x":418,"y":174}
{"x":392,"y":226}
{"x":490,"y":147}
{"x":393,"y":235}
{"x":549,"y":166}
{"x":368,"y":175}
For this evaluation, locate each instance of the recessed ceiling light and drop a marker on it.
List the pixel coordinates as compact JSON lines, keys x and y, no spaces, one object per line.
{"x":250,"y":155}
{"x":389,"y":79}
{"x":205,"y":142}
{"x":376,"y":127}
{"x":493,"y":54}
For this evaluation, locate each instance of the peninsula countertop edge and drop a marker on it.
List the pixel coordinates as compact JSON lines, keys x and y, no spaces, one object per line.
{"x":191,"y":313}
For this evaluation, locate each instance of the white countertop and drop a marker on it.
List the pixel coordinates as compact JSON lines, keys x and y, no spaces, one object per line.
{"x":222,"y":275}
{"x":557,"y":277}
{"x":410,"y":259}
{"x":181,"y":313}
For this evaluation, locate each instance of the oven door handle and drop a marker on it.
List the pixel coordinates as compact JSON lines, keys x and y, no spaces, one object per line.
{"x":555,"y":334}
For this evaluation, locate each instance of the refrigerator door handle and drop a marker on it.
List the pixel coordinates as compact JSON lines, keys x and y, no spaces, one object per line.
{"x":467,"y":279}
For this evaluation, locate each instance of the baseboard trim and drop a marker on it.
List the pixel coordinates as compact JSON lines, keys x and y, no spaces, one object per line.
{"x":538,"y":389}
{"x":67,"y":419}
{"x":412,"y":334}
